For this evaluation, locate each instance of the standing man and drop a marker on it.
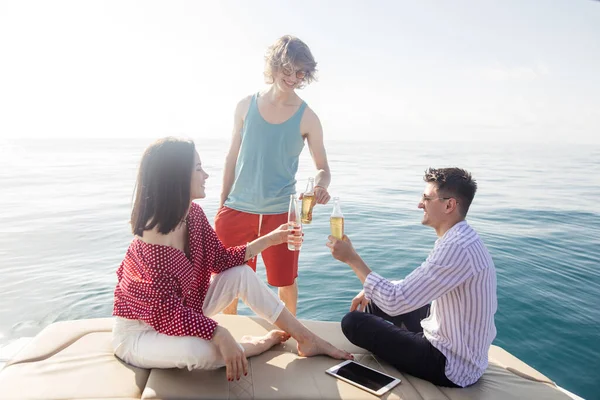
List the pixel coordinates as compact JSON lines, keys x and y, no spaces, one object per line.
{"x":442,"y":313}
{"x":269,"y":132}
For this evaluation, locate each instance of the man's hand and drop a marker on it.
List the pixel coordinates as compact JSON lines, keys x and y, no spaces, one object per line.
{"x":342,"y":250}
{"x":359,"y":302}
{"x":321,"y":195}
{"x":236,"y":363}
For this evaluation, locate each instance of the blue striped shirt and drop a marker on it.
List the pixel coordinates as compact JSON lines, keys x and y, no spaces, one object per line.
{"x":458,"y":278}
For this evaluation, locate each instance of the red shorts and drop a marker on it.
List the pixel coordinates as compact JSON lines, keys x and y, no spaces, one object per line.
{"x":235,"y":228}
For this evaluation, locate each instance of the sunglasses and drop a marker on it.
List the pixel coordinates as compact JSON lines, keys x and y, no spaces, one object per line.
{"x":427,"y":198}
{"x":299,"y":73}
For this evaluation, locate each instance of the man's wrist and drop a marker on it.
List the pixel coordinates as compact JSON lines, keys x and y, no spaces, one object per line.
{"x":360,"y":268}
{"x":354,"y":260}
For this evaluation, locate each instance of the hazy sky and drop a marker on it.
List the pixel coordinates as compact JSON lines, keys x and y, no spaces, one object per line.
{"x":506,"y":70}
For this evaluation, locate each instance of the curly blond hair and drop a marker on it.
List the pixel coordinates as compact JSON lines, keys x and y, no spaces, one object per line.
{"x":290,"y":53}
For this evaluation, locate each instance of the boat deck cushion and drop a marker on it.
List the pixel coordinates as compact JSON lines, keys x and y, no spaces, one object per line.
{"x":74,"y":359}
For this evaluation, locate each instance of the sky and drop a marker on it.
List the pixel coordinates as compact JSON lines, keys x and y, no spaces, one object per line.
{"x":480,"y":70}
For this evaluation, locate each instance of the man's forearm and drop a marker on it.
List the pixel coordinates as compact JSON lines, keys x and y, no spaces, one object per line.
{"x":228,"y":178}
{"x":360,"y":268}
{"x":323,"y":178}
{"x":224,"y":194}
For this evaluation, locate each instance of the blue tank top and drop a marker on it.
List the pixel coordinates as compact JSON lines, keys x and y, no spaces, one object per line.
{"x":265,"y":173}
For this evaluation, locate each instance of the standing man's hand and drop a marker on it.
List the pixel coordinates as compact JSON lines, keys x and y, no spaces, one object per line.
{"x":359,"y":303}
{"x":321,"y":195}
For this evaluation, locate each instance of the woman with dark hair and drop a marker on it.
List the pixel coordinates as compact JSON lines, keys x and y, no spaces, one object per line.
{"x":165,"y":294}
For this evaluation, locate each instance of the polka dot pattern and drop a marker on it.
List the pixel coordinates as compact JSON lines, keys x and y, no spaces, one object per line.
{"x":161,"y":286}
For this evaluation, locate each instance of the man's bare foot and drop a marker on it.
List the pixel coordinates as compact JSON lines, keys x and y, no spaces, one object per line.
{"x":316,"y":346}
{"x":254,"y":345}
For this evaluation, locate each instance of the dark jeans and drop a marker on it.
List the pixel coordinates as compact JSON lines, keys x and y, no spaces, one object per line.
{"x":406,"y":349}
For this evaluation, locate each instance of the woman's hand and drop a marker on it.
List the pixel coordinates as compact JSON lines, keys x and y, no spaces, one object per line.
{"x":283,"y":234}
{"x":236,"y":363}
{"x":277,"y":236}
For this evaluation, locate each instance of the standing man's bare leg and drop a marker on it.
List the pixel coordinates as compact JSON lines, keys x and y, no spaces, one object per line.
{"x":289,"y":295}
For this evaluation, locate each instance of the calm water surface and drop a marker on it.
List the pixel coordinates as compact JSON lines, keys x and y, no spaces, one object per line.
{"x":64,"y":208}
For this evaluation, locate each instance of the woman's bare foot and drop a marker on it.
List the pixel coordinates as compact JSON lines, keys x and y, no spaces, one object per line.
{"x":309,"y":344}
{"x":255,"y":345}
{"x":316,"y":346}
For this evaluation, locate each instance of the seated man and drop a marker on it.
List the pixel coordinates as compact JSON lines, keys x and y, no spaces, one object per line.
{"x":445,"y":342}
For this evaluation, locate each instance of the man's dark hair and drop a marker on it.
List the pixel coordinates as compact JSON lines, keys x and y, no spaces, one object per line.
{"x":162,"y":192}
{"x":453,"y":182}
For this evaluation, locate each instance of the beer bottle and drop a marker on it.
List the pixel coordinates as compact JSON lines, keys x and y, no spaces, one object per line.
{"x":308,"y":201}
{"x":337,"y":220}
{"x":294,"y":225}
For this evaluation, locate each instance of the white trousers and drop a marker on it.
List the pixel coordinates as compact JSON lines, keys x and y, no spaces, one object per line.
{"x":138,"y":344}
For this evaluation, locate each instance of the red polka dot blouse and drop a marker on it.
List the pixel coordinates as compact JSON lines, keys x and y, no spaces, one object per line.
{"x":159,"y":285}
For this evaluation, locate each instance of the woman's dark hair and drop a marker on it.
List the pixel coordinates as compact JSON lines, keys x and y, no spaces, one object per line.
{"x":162,"y":191}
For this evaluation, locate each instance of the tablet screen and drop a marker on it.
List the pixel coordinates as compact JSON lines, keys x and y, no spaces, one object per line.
{"x":364,"y":376}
